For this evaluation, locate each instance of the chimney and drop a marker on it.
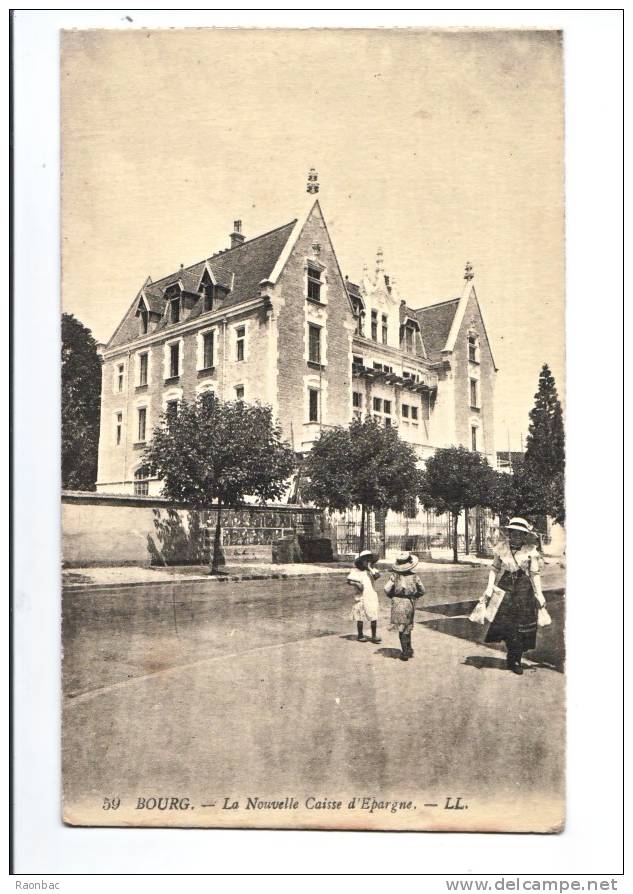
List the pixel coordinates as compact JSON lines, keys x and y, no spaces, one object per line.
{"x":237,"y":236}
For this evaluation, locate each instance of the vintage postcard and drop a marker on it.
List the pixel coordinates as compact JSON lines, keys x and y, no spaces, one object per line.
{"x":313,"y":447}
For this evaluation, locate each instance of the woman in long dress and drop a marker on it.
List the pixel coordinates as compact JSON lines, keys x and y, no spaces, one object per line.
{"x":516,"y":569}
{"x":365,"y":610}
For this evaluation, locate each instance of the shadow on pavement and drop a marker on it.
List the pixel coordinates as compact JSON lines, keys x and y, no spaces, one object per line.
{"x":550,"y":643}
{"x":482,"y":661}
{"x":388,"y":653}
{"x":451,"y":610}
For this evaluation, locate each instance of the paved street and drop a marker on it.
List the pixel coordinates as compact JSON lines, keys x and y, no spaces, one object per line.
{"x":259,"y":689}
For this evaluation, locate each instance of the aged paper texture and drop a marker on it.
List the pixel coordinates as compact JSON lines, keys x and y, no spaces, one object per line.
{"x":313,"y":450}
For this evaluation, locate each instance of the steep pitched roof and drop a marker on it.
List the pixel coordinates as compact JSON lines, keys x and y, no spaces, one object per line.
{"x":435,"y":322}
{"x":240,"y":269}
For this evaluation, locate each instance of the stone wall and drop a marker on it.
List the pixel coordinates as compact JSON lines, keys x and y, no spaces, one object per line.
{"x":103,"y":529}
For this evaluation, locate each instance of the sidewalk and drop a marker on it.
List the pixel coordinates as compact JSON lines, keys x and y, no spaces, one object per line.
{"x":98,"y":577}
{"x":137,"y":575}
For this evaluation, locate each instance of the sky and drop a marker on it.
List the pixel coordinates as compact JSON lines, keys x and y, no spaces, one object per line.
{"x":438,"y":147}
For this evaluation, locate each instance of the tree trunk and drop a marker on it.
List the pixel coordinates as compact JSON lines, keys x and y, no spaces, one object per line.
{"x":466,"y":531}
{"x":362,"y":529}
{"x":455,"y":520}
{"x":218,"y":556}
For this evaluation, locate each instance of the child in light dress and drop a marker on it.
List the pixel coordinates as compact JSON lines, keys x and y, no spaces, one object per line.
{"x":365,"y":610}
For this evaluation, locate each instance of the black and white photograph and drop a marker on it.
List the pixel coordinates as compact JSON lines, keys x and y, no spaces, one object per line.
{"x":313,"y":437}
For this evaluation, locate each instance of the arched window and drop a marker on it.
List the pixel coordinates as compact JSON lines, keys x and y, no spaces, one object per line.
{"x":141,"y":481}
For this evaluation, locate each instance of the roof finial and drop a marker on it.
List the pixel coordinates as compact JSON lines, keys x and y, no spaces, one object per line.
{"x":313,"y":182}
{"x":380,"y":265}
{"x":468,"y":271}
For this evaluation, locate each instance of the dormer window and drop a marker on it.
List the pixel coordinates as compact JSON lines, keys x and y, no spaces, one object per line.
{"x":409,"y":339}
{"x":384,"y":329}
{"x":207,"y":300}
{"x":174,"y":310}
{"x":473,"y":349}
{"x":314,"y":283}
{"x":144,"y":321}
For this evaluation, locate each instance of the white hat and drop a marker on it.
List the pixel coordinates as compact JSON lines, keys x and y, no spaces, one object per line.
{"x":519,"y":524}
{"x":367,"y":554}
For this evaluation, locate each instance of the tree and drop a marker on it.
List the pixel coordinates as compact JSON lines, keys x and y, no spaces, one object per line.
{"x":81,"y":398}
{"x":210,"y":451}
{"x":366,"y":466}
{"x":456,"y":479}
{"x":541,"y":482}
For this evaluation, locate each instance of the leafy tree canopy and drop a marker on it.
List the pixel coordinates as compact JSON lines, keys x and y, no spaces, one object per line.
{"x":455,"y":479}
{"x":364,"y":465}
{"x":210,"y":451}
{"x":81,"y":398}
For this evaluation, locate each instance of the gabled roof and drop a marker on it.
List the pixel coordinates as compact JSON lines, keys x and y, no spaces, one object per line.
{"x":239,"y":270}
{"x":435,"y":322}
{"x":153,"y":299}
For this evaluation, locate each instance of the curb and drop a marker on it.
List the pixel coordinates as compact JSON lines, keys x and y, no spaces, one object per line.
{"x":230,"y":578}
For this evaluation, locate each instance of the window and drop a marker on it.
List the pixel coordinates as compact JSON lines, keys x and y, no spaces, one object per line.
{"x":473,"y":393}
{"x":473,"y":437}
{"x":313,"y":413}
{"x":174,"y":360}
{"x":374,"y":325}
{"x":144,"y":321}
{"x":357,"y":400}
{"x":120,"y":376}
{"x":405,"y":411}
{"x":359,"y":323}
{"x":239,"y":392}
{"x":377,"y":404}
{"x":384,"y":329}
{"x":387,"y":407}
{"x":208,"y":298}
{"x":119,"y":427}
{"x":142,"y":423}
{"x":207,"y":350}
{"x":240,"y":338}
{"x":314,"y":283}
{"x":171,"y":408}
{"x":414,"y":414}
{"x":356,"y":360}
{"x":174,"y":310}
{"x":314,"y":343}
{"x":472,"y":348}
{"x":142,"y":369}
{"x":141,"y":482}
{"x":409,"y":339}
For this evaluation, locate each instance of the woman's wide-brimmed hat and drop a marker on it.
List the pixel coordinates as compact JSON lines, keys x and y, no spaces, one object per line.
{"x":520,"y":524}
{"x":405,"y":562}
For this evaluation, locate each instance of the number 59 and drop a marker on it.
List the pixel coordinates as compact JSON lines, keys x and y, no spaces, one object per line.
{"x":111,"y":803}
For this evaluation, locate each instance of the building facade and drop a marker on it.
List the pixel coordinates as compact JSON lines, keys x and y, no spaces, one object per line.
{"x":272,"y":319}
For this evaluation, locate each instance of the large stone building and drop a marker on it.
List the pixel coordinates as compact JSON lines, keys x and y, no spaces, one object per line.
{"x":273,"y":319}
